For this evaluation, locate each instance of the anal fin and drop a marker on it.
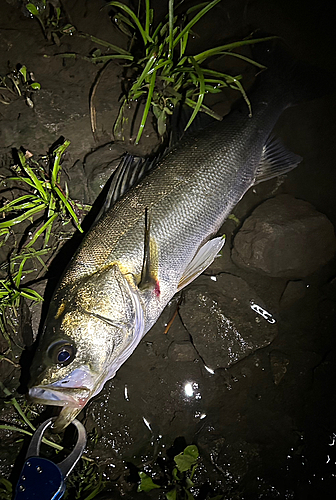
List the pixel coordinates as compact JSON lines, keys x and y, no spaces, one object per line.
{"x":201,"y":260}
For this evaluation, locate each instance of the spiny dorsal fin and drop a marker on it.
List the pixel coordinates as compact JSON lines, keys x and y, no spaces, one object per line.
{"x":148,"y":279}
{"x":275,"y":160}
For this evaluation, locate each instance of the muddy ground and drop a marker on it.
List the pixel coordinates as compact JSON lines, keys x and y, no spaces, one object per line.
{"x":256,"y":396}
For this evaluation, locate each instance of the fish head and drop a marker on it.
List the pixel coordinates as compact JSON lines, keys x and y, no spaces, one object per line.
{"x":90,"y":330}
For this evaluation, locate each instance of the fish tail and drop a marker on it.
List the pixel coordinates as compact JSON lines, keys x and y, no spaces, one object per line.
{"x":299,"y":81}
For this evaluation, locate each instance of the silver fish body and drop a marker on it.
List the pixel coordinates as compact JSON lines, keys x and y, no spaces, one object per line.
{"x":102,"y":306}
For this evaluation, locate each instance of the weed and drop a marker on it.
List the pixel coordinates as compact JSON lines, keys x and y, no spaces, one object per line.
{"x":159,"y":71}
{"x":43,"y":202}
{"x":178,"y":483}
{"x":51,"y":19}
{"x":163,"y":74}
{"x":18,"y":83}
{"x":45,"y":196}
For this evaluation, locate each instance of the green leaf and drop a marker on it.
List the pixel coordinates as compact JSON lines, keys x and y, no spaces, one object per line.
{"x":35,"y":86}
{"x":23,"y":71}
{"x":192,"y":451}
{"x":172,"y":494}
{"x":189,"y":496}
{"x":175,"y":474}
{"x":7,"y":484}
{"x":32,"y":9}
{"x":185,"y":460}
{"x":146,"y":483}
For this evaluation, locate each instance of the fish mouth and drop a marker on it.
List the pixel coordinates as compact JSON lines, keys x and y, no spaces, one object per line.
{"x":71,"y":402}
{"x":51,"y":395}
{"x":71,"y":393}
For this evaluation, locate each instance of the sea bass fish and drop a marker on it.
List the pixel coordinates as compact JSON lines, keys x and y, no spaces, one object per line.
{"x":156,"y":239}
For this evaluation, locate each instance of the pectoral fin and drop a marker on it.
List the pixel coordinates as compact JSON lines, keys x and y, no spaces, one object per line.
{"x":275,"y":160}
{"x":202,"y":259}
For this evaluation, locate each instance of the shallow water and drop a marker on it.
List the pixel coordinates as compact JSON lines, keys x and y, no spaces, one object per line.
{"x":257,"y":400}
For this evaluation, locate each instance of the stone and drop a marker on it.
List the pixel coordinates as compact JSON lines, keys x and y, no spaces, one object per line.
{"x":182,"y":351}
{"x":226,"y":320}
{"x":295,"y":290}
{"x":284,"y":237}
{"x":279,"y":363}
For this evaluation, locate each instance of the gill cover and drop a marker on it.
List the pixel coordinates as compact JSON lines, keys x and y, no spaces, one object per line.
{"x":92,"y":327}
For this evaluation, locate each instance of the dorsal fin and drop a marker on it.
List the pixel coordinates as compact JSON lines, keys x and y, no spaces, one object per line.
{"x":129,"y":172}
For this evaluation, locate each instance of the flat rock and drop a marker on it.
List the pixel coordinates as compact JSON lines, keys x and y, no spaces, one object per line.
{"x":226,"y":320}
{"x":182,"y":351}
{"x":284,"y":237}
{"x":294,"y":291}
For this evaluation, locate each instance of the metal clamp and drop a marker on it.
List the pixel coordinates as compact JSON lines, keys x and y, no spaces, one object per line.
{"x":41,"y":478}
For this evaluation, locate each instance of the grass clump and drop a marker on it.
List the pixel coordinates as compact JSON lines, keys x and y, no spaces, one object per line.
{"x":18,"y":83}
{"x":160,"y":71}
{"x":41,"y":203}
{"x":163,"y":73}
{"x":45,"y":197}
{"x":51,"y":18}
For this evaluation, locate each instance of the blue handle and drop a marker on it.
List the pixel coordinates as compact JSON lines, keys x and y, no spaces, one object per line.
{"x":40,"y":479}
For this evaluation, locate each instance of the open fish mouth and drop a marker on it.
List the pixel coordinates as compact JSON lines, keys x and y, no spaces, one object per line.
{"x":72,"y":402}
{"x":50,"y":395}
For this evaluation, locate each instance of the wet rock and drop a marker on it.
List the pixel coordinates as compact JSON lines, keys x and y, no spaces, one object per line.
{"x":285,"y":237}
{"x":295,"y":290}
{"x":223,"y":325}
{"x":182,"y":351}
{"x":279,"y":363}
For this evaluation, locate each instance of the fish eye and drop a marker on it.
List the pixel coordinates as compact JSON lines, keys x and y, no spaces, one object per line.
{"x":62,"y":352}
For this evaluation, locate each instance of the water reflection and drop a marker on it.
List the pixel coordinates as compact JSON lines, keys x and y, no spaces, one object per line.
{"x":210,"y":370}
{"x":191,"y":390}
{"x":147,"y":424}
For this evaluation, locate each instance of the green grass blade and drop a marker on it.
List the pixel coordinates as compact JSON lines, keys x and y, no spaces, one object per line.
{"x":204,"y":108}
{"x":146,"y":38}
{"x":30,"y":294}
{"x":148,"y":16}
{"x":183,"y":44}
{"x":18,"y":277}
{"x":41,"y":230}
{"x":236,"y":85}
{"x":229,"y":46}
{"x":102,"y":59}
{"x":244,"y":58}
{"x":69,"y":208}
{"x":57,"y":159}
{"x":194,"y":20}
{"x":23,"y":217}
{"x":103,"y":43}
{"x":147,"y":106}
{"x":36,"y":182}
{"x":137,"y":84}
{"x":13,"y":205}
{"x":201,"y":91}
{"x":171,"y":28}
